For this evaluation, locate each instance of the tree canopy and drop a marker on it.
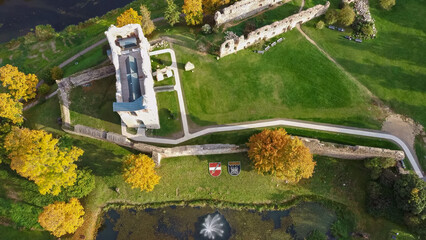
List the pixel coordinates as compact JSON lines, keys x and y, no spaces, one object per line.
{"x":331,"y":16}
{"x":128,"y":17}
{"x":10,"y":108}
{"x":19,"y":84}
{"x":410,"y":193}
{"x":34,"y":154}
{"x":387,"y":4}
{"x":273,"y":151}
{"x":61,"y":218}
{"x":139,"y":171}
{"x":210,"y":6}
{"x":346,"y":15}
{"x":147,"y":24}
{"x":193,"y":11}
{"x":172,"y":14}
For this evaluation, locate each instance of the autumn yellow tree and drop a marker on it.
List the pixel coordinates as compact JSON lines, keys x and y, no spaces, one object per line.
{"x":10,"y":108}
{"x":210,"y":6}
{"x":61,"y":218}
{"x":139,"y":171}
{"x":128,"y":17}
{"x":147,"y":24}
{"x":34,"y":154}
{"x":19,"y":84}
{"x":193,"y":11}
{"x":276,"y":152}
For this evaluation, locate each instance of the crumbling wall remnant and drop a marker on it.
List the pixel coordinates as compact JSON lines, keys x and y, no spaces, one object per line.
{"x":267,"y":32}
{"x":243,"y":9}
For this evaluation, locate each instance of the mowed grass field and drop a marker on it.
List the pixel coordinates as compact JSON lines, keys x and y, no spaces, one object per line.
{"x":393,"y":65}
{"x":92,"y":105}
{"x":291,"y":80}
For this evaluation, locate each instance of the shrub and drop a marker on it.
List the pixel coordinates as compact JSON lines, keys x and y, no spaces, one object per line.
{"x":44,"y":32}
{"x":30,"y":38}
{"x":320,"y":25}
{"x":367,"y":30}
{"x":56,"y":73}
{"x":43,"y":89}
{"x":387,"y":4}
{"x":331,"y":16}
{"x":316,"y":235}
{"x":340,"y":229}
{"x":84,"y":184}
{"x":346,"y":16}
{"x":206,"y":29}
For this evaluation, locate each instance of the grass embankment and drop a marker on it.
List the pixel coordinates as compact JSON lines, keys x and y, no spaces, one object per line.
{"x":92,"y":58}
{"x":92,"y":105}
{"x":392,"y":66}
{"x":292,"y":80}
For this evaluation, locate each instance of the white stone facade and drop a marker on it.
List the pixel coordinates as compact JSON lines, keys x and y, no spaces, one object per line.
{"x":267,"y":32}
{"x":243,"y":9}
{"x":136,"y":103}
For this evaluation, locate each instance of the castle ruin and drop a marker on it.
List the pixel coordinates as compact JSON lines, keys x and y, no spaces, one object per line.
{"x":243,"y":9}
{"x":267,"y":32}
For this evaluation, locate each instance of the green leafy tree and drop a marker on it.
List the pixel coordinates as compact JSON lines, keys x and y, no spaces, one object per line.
{"x":84,"y":184}
{"x":56,"y":73}
{"x":172,"y":13}
{"x":367,"y":30}
{"x":387,"y":4}
{"x":410,"y":193}
{"x":346,"y":15}
{"x":331,"y":16}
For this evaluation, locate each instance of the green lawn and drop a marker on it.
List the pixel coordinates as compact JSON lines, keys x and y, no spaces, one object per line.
{"x":169,"y":114}
{"x":91,"y":59}
{"x":392,"y":66}
{"x":292,"y":80}
{"x":92,"y":105}
{"x":11,"y":233}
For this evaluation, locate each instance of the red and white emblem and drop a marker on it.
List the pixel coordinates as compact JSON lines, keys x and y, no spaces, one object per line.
{"x":215,"y":169}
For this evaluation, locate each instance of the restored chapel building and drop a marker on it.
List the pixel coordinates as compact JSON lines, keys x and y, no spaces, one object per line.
{"x":135,"y":97}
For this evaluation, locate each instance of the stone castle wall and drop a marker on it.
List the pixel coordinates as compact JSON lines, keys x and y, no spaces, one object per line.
{"x":267,"y":32}
{"x":243,"y":9}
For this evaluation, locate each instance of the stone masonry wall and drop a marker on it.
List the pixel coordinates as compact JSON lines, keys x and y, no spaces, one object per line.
{"x":272,"y":30}
{"x":315,"y":146}
{"x":243,"y":9}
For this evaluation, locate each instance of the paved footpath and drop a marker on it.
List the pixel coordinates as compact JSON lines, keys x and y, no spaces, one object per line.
{"x":290,"y":123}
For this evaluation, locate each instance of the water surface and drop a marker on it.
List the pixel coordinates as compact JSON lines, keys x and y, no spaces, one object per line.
{"x":17,"y":17}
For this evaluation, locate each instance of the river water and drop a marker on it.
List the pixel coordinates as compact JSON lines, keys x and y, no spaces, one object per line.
{"x":17,"y":17}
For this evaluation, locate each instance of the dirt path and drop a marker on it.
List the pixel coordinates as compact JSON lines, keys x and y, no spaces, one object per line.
{"x":403,"y":127}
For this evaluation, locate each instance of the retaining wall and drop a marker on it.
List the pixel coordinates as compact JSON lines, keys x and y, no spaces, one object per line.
{"x":267,"y":32}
